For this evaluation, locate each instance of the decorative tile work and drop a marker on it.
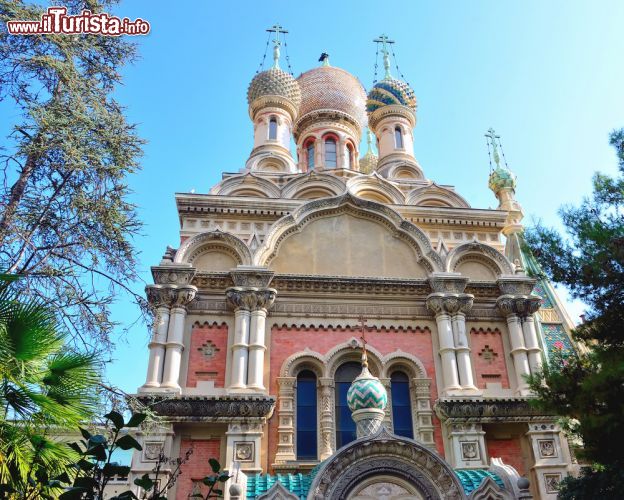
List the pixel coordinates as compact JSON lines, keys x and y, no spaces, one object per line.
{"x":208,"y":349}
{"x":558,"y":343}
{"x":470,"y":479}
{"x":539,"y":290}
{"x":488,"y":354}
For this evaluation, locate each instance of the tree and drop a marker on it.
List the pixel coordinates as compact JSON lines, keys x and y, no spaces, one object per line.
{"x":588,"y":388}
{"x":66,"y":224}
{"x":44,"y":387}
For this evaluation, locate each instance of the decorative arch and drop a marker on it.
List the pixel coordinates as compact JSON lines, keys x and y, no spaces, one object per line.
{"x":407,"y":362}
{"x":489,"y":490}
{"x":374,"y":186}
{"x":348,"y":351}
{"x":249,"y":182}
{"x":405,"y":172}
{"x":214,"y":241}
{"x":323,"y":183}
{"x":385,"y":454}
{"x":435,"y":195}
{"x":304,"y":360}
{"x":425,"y":256}
{"x":270,"y":163}
{"x":475,"y":259}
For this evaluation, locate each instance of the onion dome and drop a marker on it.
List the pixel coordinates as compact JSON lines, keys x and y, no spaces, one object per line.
{"x":274,"y":82}
{"x":332,"y":89}
{"x":501,"y":178}
{"x":388,"y":92}
{"x":366,"y":392}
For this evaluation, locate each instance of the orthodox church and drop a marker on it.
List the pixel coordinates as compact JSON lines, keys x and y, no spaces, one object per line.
{"x":336,"y":325}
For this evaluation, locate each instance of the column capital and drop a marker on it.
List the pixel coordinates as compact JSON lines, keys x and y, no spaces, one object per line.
{"x":173,"y":274}
{"x":449,"y":303}
{"x":251,"y":276}
{"x":170,"y":295}
{"x":520,"y":305}
{"x":250,"y":298}
{"x":516,"y":285}
{"x":447,"y":282}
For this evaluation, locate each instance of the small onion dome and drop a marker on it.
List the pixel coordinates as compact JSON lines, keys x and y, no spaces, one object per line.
{"x":390,"y":91}
{"x":328,"y":88}
{"x":501,"y":178}
{"x":274,"y":82}
{"x":367,"y":392}
{"x":368,"y":162}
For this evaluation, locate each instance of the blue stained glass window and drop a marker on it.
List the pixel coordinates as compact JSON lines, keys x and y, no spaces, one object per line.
{"x":310,"y":155}
{"x":401,"y":405}
{"x":345,"y":426}
{"x":306,"y":416}
{"x":272,"y":129}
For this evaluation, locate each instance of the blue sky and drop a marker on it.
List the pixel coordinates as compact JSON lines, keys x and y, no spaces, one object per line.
{"x":546,"y":75}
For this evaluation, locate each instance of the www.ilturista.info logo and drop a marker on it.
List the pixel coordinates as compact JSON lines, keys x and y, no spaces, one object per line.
{"x":57,"y":21}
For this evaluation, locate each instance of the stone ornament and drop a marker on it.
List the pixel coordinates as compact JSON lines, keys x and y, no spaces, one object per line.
{"x":244,"y":451}
{"x":151,"y":450}
{"x":547,"y":448}
{"x":208,"y":349}
{"x":173,"y":274}
{"x":170,"y":295}
{"x":259,"y":277}
{"x":551,"y":482}
{"x":470,"y":450}
{"x":250,"y":299}
{"x":520,"y":305}
{"x":211,"y":406}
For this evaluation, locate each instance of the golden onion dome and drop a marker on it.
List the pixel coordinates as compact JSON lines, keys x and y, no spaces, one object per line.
{"x":328,"y":88}
{"x":274,"y":82}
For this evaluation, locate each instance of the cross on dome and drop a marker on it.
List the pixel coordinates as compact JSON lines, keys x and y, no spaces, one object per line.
{"x":277,"y":29}
{"x":385,"y":41}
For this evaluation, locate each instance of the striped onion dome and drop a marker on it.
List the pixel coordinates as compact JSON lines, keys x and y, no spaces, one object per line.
{"x":367,"y":392}
{"x":390,"y":91}
{"x":274,"y":82}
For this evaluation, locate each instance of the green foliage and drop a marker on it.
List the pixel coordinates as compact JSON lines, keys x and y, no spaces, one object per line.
{"x":45,"y":388}
{"x":589,"y":388}
{"x":66,"y":224}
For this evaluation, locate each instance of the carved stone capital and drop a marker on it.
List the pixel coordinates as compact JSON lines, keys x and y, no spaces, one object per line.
{"x":520,"y":305}
{"x":450,"y":303}
{"x":173,"y":274}
{"x":447,"y":282}
{"x":516,"y":285}
{"x":170,"y":295}
{"x":250,"y":299}
{"x":157,"y":295}
{"x":253,"y":277}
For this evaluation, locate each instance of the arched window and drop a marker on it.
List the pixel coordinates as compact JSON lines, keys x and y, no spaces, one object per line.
{"x":306,"y":416}
{"x":273,"y":128}
{"x":345,"y":426}
{"x":401,"y":405}
{"x":349,"y":156}
{"x":398,"y":137}
{"x":330,"y":153}
{"x":310,"y":155}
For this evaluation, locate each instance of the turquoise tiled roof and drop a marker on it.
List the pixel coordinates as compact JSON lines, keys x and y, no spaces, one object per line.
{"x":470,"y":479}
{"x":299,"y":484}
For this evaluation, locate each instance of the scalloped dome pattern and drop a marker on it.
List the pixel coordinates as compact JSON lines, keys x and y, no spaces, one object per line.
{"x":274,"y":81}
{"x":332,"y":88}
{"x":390,"y":91}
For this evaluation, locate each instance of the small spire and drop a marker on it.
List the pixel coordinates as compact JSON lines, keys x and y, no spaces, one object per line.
{"x":385,"y":41}
{"x":324,"y":59}
{"x":369,"y":141}
{"x":364,"y":342}
{"x":277,"y":29}
{"x":492,"y":141}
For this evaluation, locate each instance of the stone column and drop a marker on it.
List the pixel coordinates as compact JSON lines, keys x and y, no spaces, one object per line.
{"x":422,"y":413}
{"x":388,"y":422}
{"x":327,"y":418}
{"x":286,"y":425}
{"x":257,"y":334}
{"x":244,"y":445}
{"x":242,"y":301}
{"x":439,"y":303}
{"x":180,"y":297}
{"x":462,"y":349}
{"x":156,"y":296}
{"x":508,"y":306}
{"x":532,"y":344}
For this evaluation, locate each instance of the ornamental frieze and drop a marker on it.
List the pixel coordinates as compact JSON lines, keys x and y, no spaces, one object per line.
{"x":211,"y":407}
{"x":470,"y":410}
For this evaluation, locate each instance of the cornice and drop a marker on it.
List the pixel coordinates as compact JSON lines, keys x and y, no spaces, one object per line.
{"x":461,"y":410}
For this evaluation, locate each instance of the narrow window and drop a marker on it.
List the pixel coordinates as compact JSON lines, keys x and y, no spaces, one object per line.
{"x":310,"y":155}
{"x":306,"y":416}
{"x":330,"y":153}
{"x":401,"y":405}
{"x":345,"y":426}
{"x":273,"y":128}
{"x":398,"y":138}
{"x":349,"y":156}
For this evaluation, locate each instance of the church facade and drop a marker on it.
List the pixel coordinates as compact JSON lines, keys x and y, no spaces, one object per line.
{"x":287,"y":268}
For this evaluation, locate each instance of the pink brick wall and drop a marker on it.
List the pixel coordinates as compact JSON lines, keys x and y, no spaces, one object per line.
{"x":510,"y":450}
{"x":197,"y":467}
{"x":488,"y":357}
{"x":202,"y":367}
